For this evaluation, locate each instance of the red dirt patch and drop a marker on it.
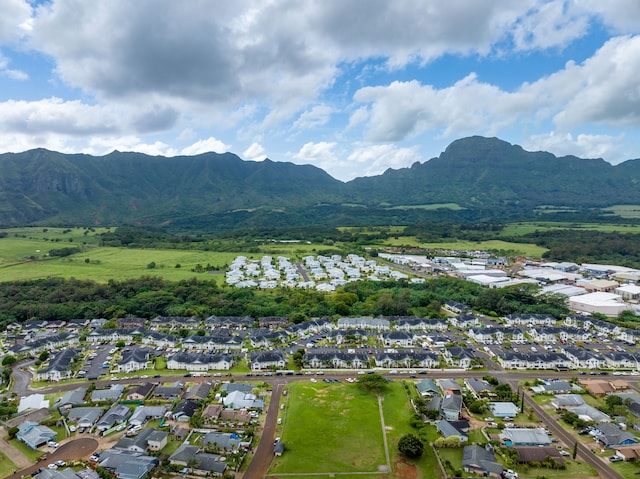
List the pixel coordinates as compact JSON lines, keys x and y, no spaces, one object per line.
{"x":402,"y":470}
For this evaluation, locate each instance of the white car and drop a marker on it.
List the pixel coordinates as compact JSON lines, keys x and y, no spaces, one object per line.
{"x":52,"y":466}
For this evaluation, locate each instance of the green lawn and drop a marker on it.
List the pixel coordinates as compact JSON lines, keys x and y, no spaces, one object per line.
{"x":625,"y":469}
{"x":336,"y":429}
{"x":452,"y":456}
{"x":32,"y":454}
{"x":574,"y":470}
{"x":6,"y":466}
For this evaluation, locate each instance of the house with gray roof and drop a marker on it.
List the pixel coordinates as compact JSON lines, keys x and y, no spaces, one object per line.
{"x":144,"y":413}
{"x":427,"y":387}
{"x":611,"y":436}
{"x":147,"y":440}
{"x":260,"y":360}
{"x":589,"y":413}
{"x":240,"y":400}
{"x":242,"y":387}
{"x":479,"y":387}
{"x":112,"y":394}
{"x":117,"y":414}
{"x":84,"y":416}
{"x":516,"y":436}
{"x":66,"y":473}
{"x":34,"y":435}
{"x":168,"y":392}
{"x":451,"y":406}
{"x":59,"y":366}
{"x":503,"y":409}
{"x":72,"y":398}
{"x":447,"y":430}
{"x":481,"y":461}
{"x":563,"y":401}
{"x":135,"y":359}
{"x":221,"y":441}
{"x":198,"y":391}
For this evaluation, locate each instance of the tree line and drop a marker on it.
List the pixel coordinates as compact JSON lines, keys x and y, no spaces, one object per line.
{"x":148,"y":297}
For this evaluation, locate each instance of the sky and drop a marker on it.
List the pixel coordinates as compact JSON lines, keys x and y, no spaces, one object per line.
{"x":351,"y":86}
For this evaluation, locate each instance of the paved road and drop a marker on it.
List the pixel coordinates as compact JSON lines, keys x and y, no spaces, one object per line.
{"x":76,"y":449}
{"x":264,"y":452}
{"x":584,"y":453}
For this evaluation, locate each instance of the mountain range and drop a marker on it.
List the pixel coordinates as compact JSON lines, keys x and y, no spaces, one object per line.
{"x":474,"y":179}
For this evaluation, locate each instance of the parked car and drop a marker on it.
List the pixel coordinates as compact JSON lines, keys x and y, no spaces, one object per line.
{"x":615,"y":458}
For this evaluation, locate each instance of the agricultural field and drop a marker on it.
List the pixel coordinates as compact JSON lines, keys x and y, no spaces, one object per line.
{"x":523,"y":249}
{"x":338,"y":429}
{"x":624,"y":211}
{"x":520,"y":229}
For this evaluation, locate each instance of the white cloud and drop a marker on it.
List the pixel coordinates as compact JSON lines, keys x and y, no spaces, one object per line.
{"x":14,"y":20}
{"x":582,"y":145}
{"x":10,"y":73}
{"x":376,"y":159}
{"x":255,"y":152}
{"x":319,"y":115}
{"x":205,"y":146}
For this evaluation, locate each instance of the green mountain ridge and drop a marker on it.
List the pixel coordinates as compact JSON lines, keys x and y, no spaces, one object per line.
{"x":488,"y":177}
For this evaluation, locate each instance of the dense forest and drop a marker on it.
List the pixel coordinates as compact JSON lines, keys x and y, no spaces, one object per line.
{"x":148,"y":297}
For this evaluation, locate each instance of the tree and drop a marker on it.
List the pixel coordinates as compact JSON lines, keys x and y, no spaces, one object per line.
{"x":298,"y":358}
{"x":12,"y":431}
{"x":9,"y":360}
{"x":120,"y":344}
{"x":43,"y":356}
{"x":575,"y":451}
{"x":411,"y":446}
{"x":372,"y":382}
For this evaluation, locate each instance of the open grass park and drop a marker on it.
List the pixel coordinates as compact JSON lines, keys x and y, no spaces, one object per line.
{"x":336,"y":430}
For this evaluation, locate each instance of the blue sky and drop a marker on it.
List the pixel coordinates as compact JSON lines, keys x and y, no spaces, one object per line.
{"x":351,"y":86}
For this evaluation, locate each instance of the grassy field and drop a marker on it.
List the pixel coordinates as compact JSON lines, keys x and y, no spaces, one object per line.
{"x":434,"y":206}
{"x":624,"y":211}
{"x":6,"y":466}
{"x":330,"y":420}
{"x":524,"y":249}
{"x":574,"y":469}
{"x":519,"y":229}
{"x":337,"y":429}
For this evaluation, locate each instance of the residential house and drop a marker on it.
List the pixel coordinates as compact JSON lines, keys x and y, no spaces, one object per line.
{"x":200,"y":361}
{"x":84,"y":416}
{"x":168,"y":392}
{"x":479,"y":388}
{"x":503,"y":409}
{"x":72,"y":398}
{"x":34,"y":435}
{"x":185,"y":410}
{"x":364,"y":323}
{"x":447,"y":429}
{"x":261,"y":360}
{"x":221,"y":441}
{"x":516,"y":436}
{"x":148,"y":439}
{"x":59,"y":366}
{"x":451,"y":407}
{"x":135,"y":359}
{"x":396,"y":338}
{"x":117,"y":414}
{"x":481,"y":461}
{"x":611,"y":436}
{"x":427,"y":387}
{"x":144,"y":413}
{"x":459,"y":357}
{"x":111,"y":394}
{"x":198,"y":391}
{"x":141,"y":392}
